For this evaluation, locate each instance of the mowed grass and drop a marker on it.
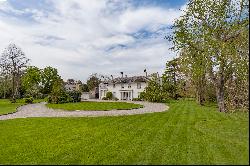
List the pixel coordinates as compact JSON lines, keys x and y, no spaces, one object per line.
{"x":98,"y":106}
{"x":186,"y":134}
{"x":7,"y":107}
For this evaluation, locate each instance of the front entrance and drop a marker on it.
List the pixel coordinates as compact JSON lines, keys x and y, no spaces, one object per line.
{"x":126,"y":95}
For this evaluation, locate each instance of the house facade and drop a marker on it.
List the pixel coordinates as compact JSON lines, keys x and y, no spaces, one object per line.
{"x":123,"y":88}
{"x":72,"y":85}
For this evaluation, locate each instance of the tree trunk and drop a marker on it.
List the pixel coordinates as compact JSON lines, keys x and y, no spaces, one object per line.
{"x":200,"y":90}
{"x":220,"y":94}
{"x":4,"y":87}
{"x":13,"y":88}
{"x":200,"y":96}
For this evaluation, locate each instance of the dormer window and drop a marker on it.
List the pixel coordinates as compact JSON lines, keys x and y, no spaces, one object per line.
{"x":129,"y":85}
{"x":113,"y":85}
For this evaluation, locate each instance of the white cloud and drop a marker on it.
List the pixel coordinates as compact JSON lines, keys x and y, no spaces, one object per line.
{"x":83,"y":37}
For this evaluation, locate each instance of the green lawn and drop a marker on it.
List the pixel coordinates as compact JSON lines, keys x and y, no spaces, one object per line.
{"x":186,"y":134}
{"x":7,"y":107}
{"x":89,"y":105}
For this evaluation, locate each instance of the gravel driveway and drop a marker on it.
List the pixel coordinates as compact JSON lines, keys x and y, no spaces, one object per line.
{"x":40,"y":110}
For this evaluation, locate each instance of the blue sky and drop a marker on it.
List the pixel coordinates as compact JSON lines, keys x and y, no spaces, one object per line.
{"x":97,"y":36}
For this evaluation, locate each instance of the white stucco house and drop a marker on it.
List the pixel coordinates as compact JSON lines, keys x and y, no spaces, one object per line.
{"x":123,"y":88}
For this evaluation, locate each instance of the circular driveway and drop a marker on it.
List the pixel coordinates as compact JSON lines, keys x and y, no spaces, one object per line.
{"x":40,"y":110}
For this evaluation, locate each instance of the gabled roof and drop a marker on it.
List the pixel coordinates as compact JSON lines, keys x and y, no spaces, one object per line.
{"x":126,"y":80}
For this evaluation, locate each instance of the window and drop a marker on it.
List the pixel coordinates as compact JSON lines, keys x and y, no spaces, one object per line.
{"x":122,"y":85}
{"x":113,"y":85}
{"x":129,"y":85}
{"x":114,"y":94}
{"x":138,"y":85}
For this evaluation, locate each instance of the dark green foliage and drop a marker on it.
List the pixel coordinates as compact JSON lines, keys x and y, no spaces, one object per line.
{"x":58,"y":94}
{"x":136,"y":99}
{"x":49,"y":77}
{"x":31,"y":81}
{"x":93,"y":81}
{"x":109,"y":95}
{"x":85,"y":88}
{"x":48,"y":99}
{"x":142,"y":95}
{"x":104,"y":98}
{"x":75,"y":96}
{"x":28,"y":100}
{"x":171,"y":80}
{"x":153,"y":92}
{"x":115,"y":99}
{"x":5,"y":86}
{"x":216,"y":36}
{"x":13,"y":100}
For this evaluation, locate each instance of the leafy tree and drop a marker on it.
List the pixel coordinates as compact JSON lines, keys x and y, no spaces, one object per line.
{"x":13,"y":61}
{"x":109,"y":95}
{"x":213,"y":28}
{"x":49,"y":76}
{"x":31,"y":81}
{"x":93,"y":81}
{"x":153,"y":92}
{"x":84,"y":88}
{"x":58,"y":93}
{"x":193,"y":64}
{"x":170,"y":78}
{"x":75,"y":96}
{"x":5,"y":85}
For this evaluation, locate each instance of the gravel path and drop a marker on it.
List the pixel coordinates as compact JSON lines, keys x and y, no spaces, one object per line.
{"x":40,"y":110}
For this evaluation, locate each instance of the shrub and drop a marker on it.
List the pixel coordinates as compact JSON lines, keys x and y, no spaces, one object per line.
{"x":109,"y":95}
{"x":64,"y":97}
{"x":153,"y":92}
{"x":48,"y":99}
{"x":58,"y":93}
{"x":13,"y":100}
{"x":115,"y":99}
{"x":136,"y":99}
{"x":74,"y":96}
{"x":142,"y":96}
{"x":28,"y":100}
{"x":104,"y":98}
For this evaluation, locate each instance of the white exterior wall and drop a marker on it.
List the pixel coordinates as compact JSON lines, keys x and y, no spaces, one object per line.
{"x":85,"y":96}
{"x":70,"y":87}
{"x":118,"y":89}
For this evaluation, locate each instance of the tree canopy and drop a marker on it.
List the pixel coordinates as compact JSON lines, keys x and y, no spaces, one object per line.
{"x":212,"y":32}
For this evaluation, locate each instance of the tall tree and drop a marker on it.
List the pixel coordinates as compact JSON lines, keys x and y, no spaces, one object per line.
{"x":93,"y":81}
{"x":153,"y":92}
{"x":5,"y":85}
{"x":31,"y":80}
{"x":170,"y":78}
{"x":84,"y":88}
{"x":49,"y":77}
{"x":213,"y":28}
{"x":13,"y":61}
{"x":193,"y":64}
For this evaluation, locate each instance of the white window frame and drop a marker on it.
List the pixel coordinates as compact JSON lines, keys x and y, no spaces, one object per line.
{"x":138,"y":85}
